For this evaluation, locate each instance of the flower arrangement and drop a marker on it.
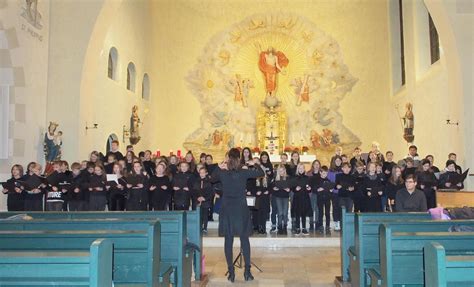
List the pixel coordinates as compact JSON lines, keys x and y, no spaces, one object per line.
{"x":256,"y":149}
{"x":305,"y":149}
{"x":287,"y":149}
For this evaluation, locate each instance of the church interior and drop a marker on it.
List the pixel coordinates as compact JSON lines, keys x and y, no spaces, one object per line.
{"x":170,"y":80}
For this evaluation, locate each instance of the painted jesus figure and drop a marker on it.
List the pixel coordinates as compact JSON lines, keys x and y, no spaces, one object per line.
{"x":271,"y":63}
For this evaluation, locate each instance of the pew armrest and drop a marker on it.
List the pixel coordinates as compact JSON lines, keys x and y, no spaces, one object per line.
{"x":352,"y":253}
{"x":375,"y":277}
{"x":191,"y":248}
{"x":167,"y":272}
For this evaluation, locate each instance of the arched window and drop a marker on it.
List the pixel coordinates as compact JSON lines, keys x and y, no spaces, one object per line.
{"x":131,"y":75}
{"x":112,"y":64}
{"x":146,"y":87}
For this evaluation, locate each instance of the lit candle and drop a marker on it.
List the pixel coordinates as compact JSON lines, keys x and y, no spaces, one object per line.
{"x":171,"y":152}
{"x":158,"y":153}
{"x":179,"y":153}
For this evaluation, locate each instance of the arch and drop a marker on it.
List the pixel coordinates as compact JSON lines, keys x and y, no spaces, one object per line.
{"x":131,"y":76}
{"x":146,"y":87}
{"x":110,"y":139}
{"x":112,"y":64}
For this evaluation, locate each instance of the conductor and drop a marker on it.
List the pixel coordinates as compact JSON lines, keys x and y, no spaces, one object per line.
{"x":234,"y":218}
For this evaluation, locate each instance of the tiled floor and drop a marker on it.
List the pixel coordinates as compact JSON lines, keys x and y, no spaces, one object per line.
{"x":282,"y":267}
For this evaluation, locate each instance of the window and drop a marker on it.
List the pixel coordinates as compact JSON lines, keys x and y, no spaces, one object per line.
{"x":402,"y":48}
{"x":146,"y":87}
{"x":131,"y":74}
{"x":112,"y":64}
{"x":434,"y":41}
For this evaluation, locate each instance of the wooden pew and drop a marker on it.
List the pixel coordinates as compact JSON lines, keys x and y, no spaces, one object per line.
{"x":442,"y":270}
{"x":193,"y":225}
{"x":346,"y":241}
{"x":39,"y":268}
{"x":364,"y":252}
{"x":369,"y":241}
{"x":137,"y":244}
{"x":401,"y":254}
{"x":175,"y":248}
{"x":455,"y":198}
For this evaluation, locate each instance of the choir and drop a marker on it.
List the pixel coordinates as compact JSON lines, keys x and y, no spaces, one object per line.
{"x":116,"y":182}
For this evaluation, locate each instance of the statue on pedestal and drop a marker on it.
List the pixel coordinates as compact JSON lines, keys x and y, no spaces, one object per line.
{"x":408,"y":123}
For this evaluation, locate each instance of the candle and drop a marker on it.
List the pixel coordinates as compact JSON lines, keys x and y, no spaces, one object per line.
{"x":158,"y":153}
{"x":171,"y":152}
{"x":179,"y":153}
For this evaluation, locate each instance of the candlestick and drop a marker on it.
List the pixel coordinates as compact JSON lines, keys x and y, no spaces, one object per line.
{"x":171,"y":152}
{"x":179,"y":153}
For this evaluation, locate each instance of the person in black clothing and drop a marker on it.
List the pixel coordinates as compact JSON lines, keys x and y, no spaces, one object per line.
{"x":264,"y":185}
{"x":210,"y":166}
{"x":273,"y":203}
{"x":357,"y":196}
{"x":453,"y":157}
{"x":173,"y":165}
{"x":189,"y":158}
{"x":301,"y":204}
{"x":356,"y":158}
{"x":280,"y":192}
{"x":294,"y":161}
{"x":373,"y":189}
{"x":335,"y":168}
{"x":393,"y":185}
{"x":130,"y":158}
{"x":234,"y":219}
{"x":97,"y":190}
{"x":160,"y":188}
{"x":388,"y":164}
{"x":137,"y":189}
{"x":427,"y":182}
{"x":450,"y":179}
{"x":313,"y":196}
{"x":253,"y":190}
{"x":115,"y":150}
{"x":56,"y":190}
{"x":77,"y":193}
{"x":148,"y":165}
{"x":409,"y":168}
{"x":117,"y":190}
{"x":35,"y":191}
{"x":323,"y":186}
{"x":345,"y":183}
{"x":109,"y":166}
{"x":433,"y":168}
{"x":202,"y":187}
{"x":410,"y":199}
{"x":14,"y":190}
{"x":181,"y":184}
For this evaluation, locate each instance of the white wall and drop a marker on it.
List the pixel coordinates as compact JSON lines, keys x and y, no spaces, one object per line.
{"x":427,"y":88}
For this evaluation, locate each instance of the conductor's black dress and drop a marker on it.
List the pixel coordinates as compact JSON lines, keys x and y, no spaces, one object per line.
{"x":234,"y":218}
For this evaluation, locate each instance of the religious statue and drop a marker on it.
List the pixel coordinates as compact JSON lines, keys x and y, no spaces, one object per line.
{"x":272,"y":62}
{"x":408,"y":123}
{"x":241,"y":89}
{"x":134,"y":126}
{"x":301,"y":89}
{"x":52,"y":143}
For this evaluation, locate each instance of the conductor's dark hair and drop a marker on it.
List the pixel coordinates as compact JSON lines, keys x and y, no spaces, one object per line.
{"x":233,"y":162}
